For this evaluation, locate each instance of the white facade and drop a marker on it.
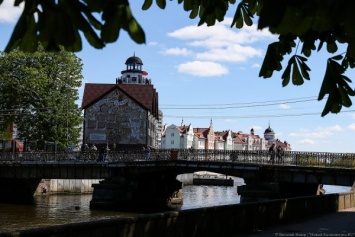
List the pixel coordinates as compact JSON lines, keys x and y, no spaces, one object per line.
{"x":228,"y":145}
{"x":177,"y":137}
{"x":185,"y":137}
{"x":171,"y":138}
{"x":188,"y":139}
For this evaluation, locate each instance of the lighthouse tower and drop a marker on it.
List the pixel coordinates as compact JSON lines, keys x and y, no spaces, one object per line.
{"x":269,"y":135}
{"x":134,"y":73}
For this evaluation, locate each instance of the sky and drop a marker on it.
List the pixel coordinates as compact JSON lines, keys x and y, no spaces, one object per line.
{"x":205,"y":74}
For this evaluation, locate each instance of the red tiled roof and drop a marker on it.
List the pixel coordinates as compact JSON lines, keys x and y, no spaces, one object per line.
{"x":281,"y":144}
{"x":237,"y":139}
{"x":223,"y":134}
{"x":93,"y":92}
{"x":145,"y":95}
{"x":202,"y":131}
{"x":184,"y":128}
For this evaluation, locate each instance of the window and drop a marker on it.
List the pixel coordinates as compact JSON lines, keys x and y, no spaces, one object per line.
{"x":172,"y":134}
{"x":172,"y":142}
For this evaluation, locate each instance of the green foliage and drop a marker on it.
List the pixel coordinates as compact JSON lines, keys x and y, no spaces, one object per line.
{"x":307,"y":161}
{"x":38,"y":93}
{"x":335,"y":84}
{"x":5,"y":134}
{"x":347,"y":161}
{"x":299,"y":69}
{"x":308,"y":24}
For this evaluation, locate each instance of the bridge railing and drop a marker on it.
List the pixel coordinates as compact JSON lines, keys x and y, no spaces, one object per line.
{"x":314,"y":159}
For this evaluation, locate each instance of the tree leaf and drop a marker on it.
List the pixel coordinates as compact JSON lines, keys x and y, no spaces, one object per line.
{"x":303,"y":66}
{"x":286,"y":74}
{"x":332,"y":46}
{"x":297,"y":78}
{"x":134,"y":30}
{"x":238,"y":19}
{"x":161,"y":4}
{"x":147,"y":4}
{"x":271,"y":61}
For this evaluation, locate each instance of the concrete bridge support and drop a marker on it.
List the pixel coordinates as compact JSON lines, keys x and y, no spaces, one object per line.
{"x":17,"y":189}
{"x":134,"y":191}
{"x":262,"y":191}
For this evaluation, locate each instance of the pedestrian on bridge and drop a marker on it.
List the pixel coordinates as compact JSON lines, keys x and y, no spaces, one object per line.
{"x":86,"y":148}
{"x":279,"y":153}
{"x":272,"y":153}
{"x":147,"y":153}
{"x":93,"y":147}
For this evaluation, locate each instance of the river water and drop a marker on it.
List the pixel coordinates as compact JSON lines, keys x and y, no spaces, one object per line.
{"x":49,"y":210}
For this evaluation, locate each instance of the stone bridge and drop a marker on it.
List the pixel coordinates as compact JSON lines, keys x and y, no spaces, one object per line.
{"x":128,"y":180}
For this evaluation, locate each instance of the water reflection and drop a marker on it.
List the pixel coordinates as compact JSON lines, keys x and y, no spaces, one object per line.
{"x":206,"y":196}
{"x":49,"y":210}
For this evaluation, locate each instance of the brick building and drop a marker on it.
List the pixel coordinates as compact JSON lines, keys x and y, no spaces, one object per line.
{"x":125,"y":114}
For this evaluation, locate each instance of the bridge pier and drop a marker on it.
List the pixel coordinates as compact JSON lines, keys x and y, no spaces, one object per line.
{"x":129,"y":192}
{"x":255,"y":191}
{"x":18,"y":189}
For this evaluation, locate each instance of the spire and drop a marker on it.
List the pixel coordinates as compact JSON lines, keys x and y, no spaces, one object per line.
{"x":211,"y":124}
{"x":182,"y":122}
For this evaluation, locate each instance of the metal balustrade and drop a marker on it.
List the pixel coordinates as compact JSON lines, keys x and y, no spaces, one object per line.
{"x":296,"y":158}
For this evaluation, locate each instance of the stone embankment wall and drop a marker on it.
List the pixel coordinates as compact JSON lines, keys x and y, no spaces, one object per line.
{"x":75,"y":186}
{"x":229,"y":220}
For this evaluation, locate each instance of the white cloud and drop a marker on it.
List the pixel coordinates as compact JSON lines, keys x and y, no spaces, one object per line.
{"x":284,"y":106}
{"x":307,"y":142}
{"x":177,"y":51}
{"x":202,"y":69}
{"x":335,"y":128}
{"x":219,"y":43}
{"x":256,"y":65}
{"x":8,"y":12}
{"x":352,"y":126}
{"x":320,"y":132}
{"x":152,"y":43}
{"x":232,"y":53}
{"x":220,"y":34}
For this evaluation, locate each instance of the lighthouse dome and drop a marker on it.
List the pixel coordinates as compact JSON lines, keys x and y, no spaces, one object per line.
{"x":269,"y":130}
{"x":134,"y":60}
